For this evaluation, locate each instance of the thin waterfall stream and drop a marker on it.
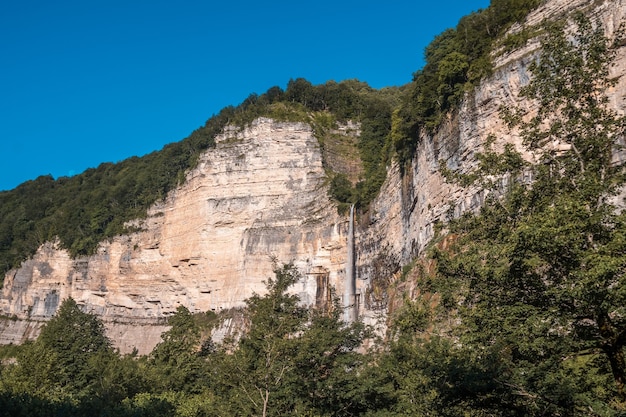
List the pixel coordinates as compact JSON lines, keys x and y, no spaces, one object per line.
{"x":350,"y":304}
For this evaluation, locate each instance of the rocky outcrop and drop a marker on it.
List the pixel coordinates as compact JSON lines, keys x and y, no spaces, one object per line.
{"x":261,"y":194}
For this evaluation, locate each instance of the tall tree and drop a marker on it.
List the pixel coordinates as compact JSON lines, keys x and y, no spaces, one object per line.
{"x":176,"y":363}
{"x":543,"y":266}
{"x":291,"y":360}
{"x":264,"y":356}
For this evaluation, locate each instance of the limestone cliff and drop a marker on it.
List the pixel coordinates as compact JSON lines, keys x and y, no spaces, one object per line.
{"x":261,"y":194}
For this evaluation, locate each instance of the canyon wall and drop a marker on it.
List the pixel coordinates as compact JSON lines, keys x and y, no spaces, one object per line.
{"x":262,"y":195}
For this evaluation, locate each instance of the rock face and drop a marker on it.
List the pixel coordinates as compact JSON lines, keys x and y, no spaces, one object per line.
{"x":261,"y":194}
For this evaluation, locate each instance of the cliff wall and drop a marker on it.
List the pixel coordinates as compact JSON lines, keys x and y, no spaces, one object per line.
{"x":261,"y":194}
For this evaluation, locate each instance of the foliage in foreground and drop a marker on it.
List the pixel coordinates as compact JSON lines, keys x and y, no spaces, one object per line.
{"x":290,"y":361}
{"x":541,"y":270}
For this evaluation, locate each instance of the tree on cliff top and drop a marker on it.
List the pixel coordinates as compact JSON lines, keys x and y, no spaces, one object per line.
{"x":544,"y":267}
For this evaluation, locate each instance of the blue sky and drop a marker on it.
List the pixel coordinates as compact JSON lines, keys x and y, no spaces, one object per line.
{"x":86,"y":82}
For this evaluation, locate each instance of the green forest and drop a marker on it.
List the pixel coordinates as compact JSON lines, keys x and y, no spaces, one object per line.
{"x":521,"y":308}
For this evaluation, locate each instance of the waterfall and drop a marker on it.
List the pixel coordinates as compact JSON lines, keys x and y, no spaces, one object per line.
{"x":349,"y":295}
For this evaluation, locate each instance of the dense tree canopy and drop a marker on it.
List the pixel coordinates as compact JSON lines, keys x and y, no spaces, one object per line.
{"x":289,"y":361}
{"x":67,"y":365}
{"x":292,"y":360}
{"x":542,"y":270}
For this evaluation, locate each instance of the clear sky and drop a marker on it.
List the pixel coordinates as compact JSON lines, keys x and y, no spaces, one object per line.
{"x":90,"y":81}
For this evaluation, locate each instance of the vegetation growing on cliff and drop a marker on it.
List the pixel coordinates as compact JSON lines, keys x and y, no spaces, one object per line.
{"x":456,"y":60}
{"x":326,"y":105}
{"x":84,"y":210}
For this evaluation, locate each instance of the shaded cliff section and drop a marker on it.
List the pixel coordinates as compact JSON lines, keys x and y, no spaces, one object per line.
{"x":415,"y":200}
